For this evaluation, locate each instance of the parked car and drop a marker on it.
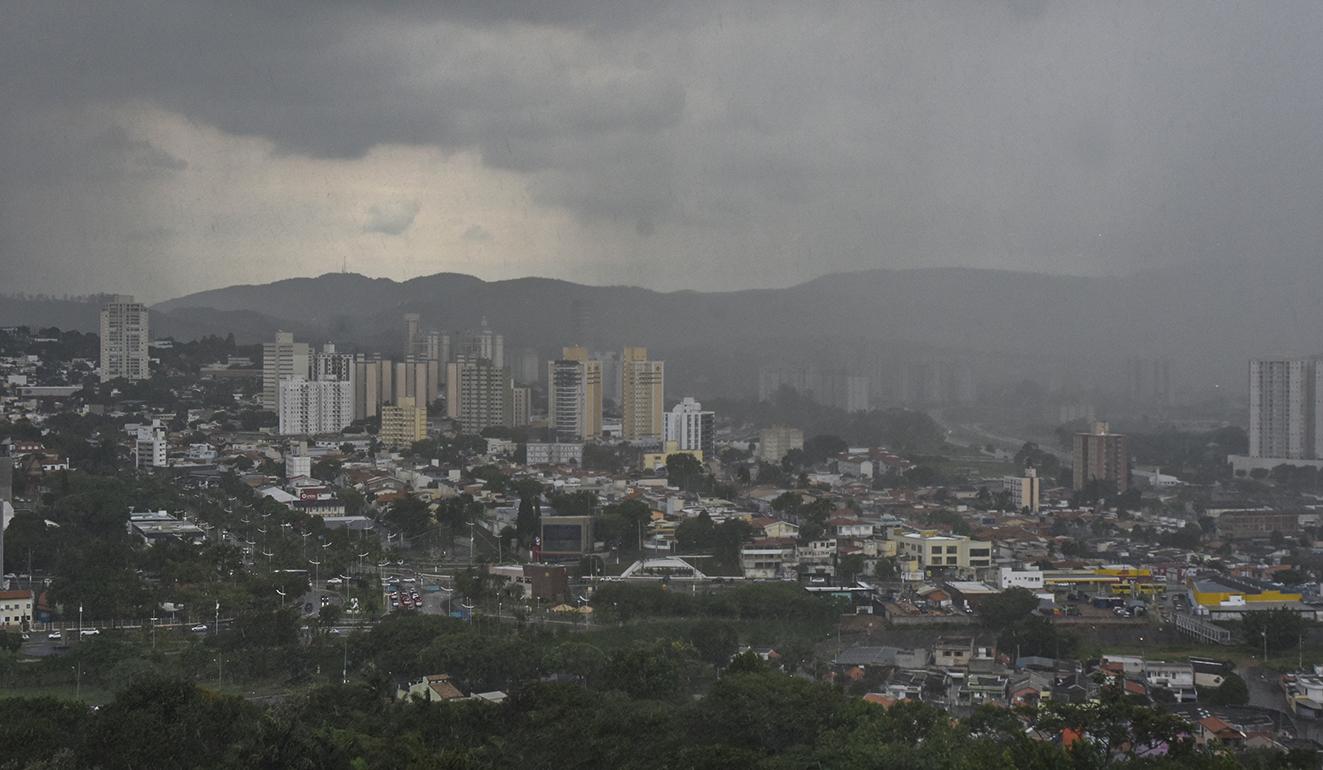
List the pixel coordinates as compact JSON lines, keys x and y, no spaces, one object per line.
{"x":54,"y":636}
{"x":200,"y":628}
{"x":89,"y":632}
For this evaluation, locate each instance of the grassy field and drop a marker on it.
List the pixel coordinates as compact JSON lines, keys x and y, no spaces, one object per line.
{"x":92,"y":696}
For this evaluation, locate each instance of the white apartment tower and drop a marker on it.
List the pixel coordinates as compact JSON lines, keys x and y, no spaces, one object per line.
{"x":124,"y":337}
{"x":308,"y":407}
{"x":691,"y":428}
{"x":1285,"y":419}
{"x":282,"y":359}
{"x":149,"y":446}
{"x":1024,"y":490}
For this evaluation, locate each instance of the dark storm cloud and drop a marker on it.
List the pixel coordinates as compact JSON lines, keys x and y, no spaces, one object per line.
{"x":798,"y":138}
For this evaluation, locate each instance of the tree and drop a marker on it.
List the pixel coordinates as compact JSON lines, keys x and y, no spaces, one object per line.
{"x":715,"y":640}
{"x":1232,"y":692}
{"x":684,"y":471}
{"x":1008,"y":607}
{"x":1283,"y":629}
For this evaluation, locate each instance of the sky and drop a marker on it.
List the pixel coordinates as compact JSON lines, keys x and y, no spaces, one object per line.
{"x":161,"y":148}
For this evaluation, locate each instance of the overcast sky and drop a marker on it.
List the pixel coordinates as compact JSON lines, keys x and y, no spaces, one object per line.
{"x":163,"y":148}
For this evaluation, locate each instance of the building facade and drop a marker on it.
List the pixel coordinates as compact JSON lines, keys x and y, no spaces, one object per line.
{"x":1024,"y":490}
{"x":775,"y":442}
{"x":1101,"y":455}
{"x":307,"y":407}
{"x":124,"y":337}
{"x":642,"y":392}
{"x":574,"y":396}
{"x":479,"y":395}
{"x":282,"y":359}
{"x":1284,"y":418}
{"x":691,"y":428}
{"x":403,"y":423}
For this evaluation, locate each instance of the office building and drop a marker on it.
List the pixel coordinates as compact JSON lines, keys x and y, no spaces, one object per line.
{"x":282,"y":359}
{"x":403,"y":423}
{"x":1100,"y":455}
{"x":1284,"y":418}
{"x":1024,"y":490}
{"x":691,"y":428}
{"x":776,"y":441}
{"x":308,"y":407}
{"x":927,"y":552}
{"x":521,"y":406}
{"x":574,"y":396}
{"x":479,"y":395}
{"x":124,"y":338}
{"x":642,"y":391}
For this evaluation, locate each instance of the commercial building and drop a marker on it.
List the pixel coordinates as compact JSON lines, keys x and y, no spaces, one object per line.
{"x":1101,"y":456}
{"x":1223,"y":592}
{"x":574,"y":395}
{"x":314,"y":406}
{"x":564,"y":536}
{"x":281,"y":360}
{"x":124,"y":338}
{"x":479,"y":395}
{"x":642,"y":391}
{"x":1243,"y":525}
{"x":775,"y":442}
{"x":929,"y":551}
{"x":403,"y":423}
{"x":691,"y":428}
{"x":1024,"y":490}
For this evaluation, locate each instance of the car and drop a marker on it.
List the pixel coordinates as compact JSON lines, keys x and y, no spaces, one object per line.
{"x":334,"y":581}
{"x":89,"y":632}
{"x":200,"y":628}
{"x":55,"y":636}
{"x":25,"y":637}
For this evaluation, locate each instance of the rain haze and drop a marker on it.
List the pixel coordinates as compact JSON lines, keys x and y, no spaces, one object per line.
{"x":172,"y":147}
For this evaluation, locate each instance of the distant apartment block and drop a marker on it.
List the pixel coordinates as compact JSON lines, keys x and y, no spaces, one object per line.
{"x":775,"y":442}
{"x":479,"y":395}
{"x":1101,"y":455}
{"x":282,"y":359}
{"x":553,"y":453}
{"x":521,"y":406}
{"x":1284,"y":418}
{"x":642,"y":390}
{"x":1024,"y":490}
{"x":403,"y":423}
{"x":124,"y":340}
{"x":307,"y":407}
{"x":574,"y":396}
{"x":690,"y":427}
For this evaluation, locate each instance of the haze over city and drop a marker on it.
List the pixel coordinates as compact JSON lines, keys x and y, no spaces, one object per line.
{"x":165,"y":148}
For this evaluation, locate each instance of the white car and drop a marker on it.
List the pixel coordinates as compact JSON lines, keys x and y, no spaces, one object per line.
{"x":54,"y":636}
{"x":89,"y":632}
{"x":200,"y":628}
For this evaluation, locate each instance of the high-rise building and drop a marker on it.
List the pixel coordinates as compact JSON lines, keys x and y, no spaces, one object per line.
{"x":525,"y":367}
{"x":776,"y":441}
{"x":309,"y":407}
{"x":124,"y":338}
{"x":1101,"y":455}
{"x":691,"y":428}
{"x":612,"y":375}
{"x":373,"y":385}
{"x":482,"y":343}
{"x":574,"y":395}
{"x":437,"y":348}
{"x":418,"y":378}
{"x":1285,"y":419}
{"x":1024,"y":490}
{"x":521,"y":406}
{"x":330,"y":365}
{"x":281,"y":360}
{"x":403,"y":423}
{"x":414,"y":342}
{"x":1149,"y":381}
{"x":642,"y":391}
{"x":478,"y":395}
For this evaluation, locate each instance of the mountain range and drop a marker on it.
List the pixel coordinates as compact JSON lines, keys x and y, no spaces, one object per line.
{"x":1008,"y":325}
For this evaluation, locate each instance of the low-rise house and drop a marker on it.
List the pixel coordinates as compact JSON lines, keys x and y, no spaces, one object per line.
{"x":433,"y":687}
